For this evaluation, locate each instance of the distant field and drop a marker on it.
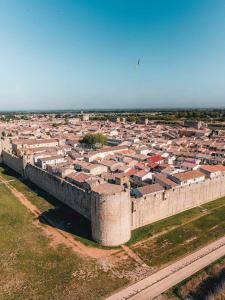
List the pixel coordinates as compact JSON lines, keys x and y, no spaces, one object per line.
{"x":31,"y":268}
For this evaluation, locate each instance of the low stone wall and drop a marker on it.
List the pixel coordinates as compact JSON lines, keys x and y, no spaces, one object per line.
{"x":149,"y":209}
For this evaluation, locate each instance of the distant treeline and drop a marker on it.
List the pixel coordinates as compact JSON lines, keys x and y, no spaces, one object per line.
{"x":208,"y":115}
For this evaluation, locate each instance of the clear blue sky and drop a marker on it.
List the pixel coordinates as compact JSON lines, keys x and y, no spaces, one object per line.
{"x":72,"y":54}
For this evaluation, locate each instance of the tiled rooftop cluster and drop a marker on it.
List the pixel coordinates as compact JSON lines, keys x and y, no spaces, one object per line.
{"x":148,"y":157}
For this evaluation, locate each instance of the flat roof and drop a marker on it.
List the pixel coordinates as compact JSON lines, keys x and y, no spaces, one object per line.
{"x":108,"y":188}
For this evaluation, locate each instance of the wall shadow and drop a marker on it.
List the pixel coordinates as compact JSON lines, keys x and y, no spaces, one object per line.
{"x":9,"y":172}
{"x":206,"y":288}
{"x":66,"y":219}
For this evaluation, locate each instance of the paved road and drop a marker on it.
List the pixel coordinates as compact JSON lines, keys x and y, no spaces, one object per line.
{"x":166,"y":278}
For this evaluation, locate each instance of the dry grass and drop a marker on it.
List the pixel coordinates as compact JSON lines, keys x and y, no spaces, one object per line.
{"x":30,"y":268}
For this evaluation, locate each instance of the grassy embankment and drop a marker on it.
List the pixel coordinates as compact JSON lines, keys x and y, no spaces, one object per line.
{"x":31,"y":268}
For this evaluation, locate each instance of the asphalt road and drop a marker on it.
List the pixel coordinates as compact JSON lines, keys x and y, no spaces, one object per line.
{"x":159,"y":282}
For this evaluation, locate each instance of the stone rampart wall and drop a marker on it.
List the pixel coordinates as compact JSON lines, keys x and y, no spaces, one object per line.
{"x":73,"y":196}
{"x":160,"y":205}
{"x":13,"y":162}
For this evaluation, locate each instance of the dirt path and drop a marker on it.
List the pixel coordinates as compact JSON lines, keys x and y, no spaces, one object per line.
{"x":58,"y":236}
{"x":133,"y":255}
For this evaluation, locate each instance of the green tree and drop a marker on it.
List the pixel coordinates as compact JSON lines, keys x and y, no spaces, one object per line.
{"x":133,"y":119}
{"x":93,"y":140}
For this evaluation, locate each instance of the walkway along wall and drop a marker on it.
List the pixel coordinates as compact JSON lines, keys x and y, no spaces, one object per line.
{"x":154,"y":207}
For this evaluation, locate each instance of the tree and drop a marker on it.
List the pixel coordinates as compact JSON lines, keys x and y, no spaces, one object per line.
{"x":133,"y":119}
{"x":92,"y":140}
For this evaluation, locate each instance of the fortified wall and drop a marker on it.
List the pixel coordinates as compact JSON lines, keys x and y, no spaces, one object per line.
{"x":113,"y":214}
{"x":73,"y":196}
{"x":13,"y":162}
{"x":157,"y":206}
{"x":107,"y":209}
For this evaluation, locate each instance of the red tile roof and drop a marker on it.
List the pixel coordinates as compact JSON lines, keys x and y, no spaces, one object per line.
{"x":141,"y":173}
{"x":155,"y":158}
{"x":213,"y":168}
{"x":131,"y":172}
{"x":165,"y":180}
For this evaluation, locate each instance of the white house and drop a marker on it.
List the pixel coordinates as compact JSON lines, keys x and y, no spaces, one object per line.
{"x":50,"y":160}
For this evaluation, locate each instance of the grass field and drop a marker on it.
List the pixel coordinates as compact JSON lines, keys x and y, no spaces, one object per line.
{"x":31,"y":268}
{"x":164,"y":225}
{"x":51,"y":207}
{"x":186,"y":237}
{"x":38,"y":197}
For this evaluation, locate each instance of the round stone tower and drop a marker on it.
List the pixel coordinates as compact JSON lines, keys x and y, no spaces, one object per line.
{"x":110,"y":214}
